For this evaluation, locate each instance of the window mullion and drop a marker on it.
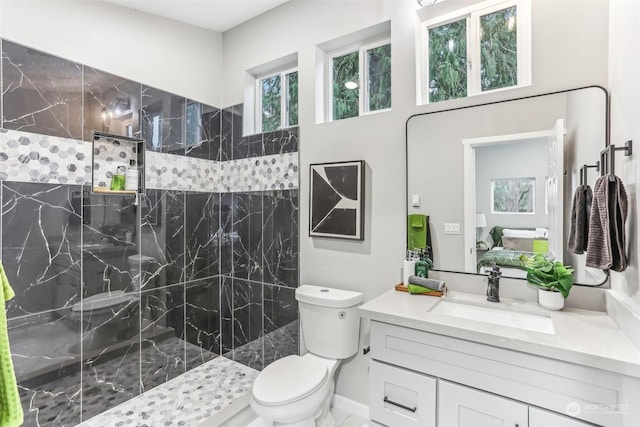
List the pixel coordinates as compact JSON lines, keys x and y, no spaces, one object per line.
{"x":473,"y":54}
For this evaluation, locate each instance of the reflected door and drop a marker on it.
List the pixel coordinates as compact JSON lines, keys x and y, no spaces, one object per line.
{"x":555,"y":193}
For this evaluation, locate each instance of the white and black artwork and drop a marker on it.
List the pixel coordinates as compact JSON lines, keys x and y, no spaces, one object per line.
{"x":337,"y":200}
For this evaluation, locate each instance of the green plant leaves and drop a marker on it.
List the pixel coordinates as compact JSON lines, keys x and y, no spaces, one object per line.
{"x":545,"y":273}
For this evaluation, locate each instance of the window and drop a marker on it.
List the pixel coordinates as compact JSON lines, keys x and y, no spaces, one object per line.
{"x":476,"y":50}
{"x":193,"y":123}
{"x":513,"y":195}
{"x":277,"y":100}
{"x":360,"y":81}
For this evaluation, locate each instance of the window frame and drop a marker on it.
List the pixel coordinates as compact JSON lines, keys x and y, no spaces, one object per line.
{"x":472,"y":16}
{"x":363,"y":73}
{"x":533,"y":196}
{"x":284,"y":90}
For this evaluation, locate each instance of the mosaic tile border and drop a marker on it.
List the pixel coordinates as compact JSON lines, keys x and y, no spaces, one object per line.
{"x":188,"y":399}
{"x":30,"y":157}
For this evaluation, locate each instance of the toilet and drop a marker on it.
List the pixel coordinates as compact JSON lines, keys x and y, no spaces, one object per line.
{"x":296,"y":391}
{"x":108,"y":318}
{"x":112,"y":316}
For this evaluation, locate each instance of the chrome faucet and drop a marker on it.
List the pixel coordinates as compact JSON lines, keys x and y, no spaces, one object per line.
{"x":493,"y":287}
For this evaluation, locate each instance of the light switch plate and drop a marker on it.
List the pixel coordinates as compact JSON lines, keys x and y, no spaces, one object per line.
{"x":415,"y":201}
{"x":451,"y":228}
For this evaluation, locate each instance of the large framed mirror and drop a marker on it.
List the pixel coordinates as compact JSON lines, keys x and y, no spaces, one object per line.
{"x":501,"y":177}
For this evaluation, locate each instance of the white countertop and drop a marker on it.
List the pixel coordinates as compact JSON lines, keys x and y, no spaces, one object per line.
{"x":584,"y":337}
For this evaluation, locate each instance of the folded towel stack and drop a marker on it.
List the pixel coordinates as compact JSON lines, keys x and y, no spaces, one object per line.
{"x":420,"y":285}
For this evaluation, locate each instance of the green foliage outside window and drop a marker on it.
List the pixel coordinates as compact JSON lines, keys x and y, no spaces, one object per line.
{"x":345,"y":100}
{"x":448,"y":61}
{"x":379,"y":74}
{"x":498,"y":49}
{"x":292,"y":98}
{"x":513,"y":195}
{"x":271,"y":103}
{"x":498,"y":46}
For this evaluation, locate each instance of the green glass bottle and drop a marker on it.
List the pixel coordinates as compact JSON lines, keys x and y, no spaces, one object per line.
{"x":422,"y":268}
{"x":117,"y":180}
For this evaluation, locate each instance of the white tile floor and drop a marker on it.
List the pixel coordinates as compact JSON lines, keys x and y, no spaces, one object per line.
{"x":342,"y":417}
{"x":346,"y":419}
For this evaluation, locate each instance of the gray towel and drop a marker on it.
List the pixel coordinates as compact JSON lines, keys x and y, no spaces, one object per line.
{"x":607,"y":240}
{"x":436,"y":285}
{"x":580,"y":213}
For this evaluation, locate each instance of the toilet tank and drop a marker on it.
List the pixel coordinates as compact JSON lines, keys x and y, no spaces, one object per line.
{"x":330,"y":321}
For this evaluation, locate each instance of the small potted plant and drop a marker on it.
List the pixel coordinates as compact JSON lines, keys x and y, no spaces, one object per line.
{"x":552,"y":278}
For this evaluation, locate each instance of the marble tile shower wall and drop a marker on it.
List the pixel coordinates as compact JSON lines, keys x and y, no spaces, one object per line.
{"x":113,"y":299}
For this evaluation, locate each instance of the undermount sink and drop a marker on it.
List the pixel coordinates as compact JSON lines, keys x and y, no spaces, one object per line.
{"x":495,"y":313}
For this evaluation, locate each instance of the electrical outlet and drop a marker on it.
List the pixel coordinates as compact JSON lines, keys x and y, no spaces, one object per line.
{"x":451,"y":228}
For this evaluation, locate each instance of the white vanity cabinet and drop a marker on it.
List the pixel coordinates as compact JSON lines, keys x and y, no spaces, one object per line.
{"x":404,"y":398}
{"x":460,"y":406}
{"x":437,"y":380}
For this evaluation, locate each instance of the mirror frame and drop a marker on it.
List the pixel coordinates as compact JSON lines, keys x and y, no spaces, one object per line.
{"x":607,"y":112}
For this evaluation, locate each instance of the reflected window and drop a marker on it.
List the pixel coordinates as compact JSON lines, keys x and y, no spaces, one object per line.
{"x":193,"y":123}
{"x":156,"y":129}
{"x":513,"y":195}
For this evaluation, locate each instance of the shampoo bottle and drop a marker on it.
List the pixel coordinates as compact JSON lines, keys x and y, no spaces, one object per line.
{"x":131,"y":183}
{"x":117,"y":180}
{"x":408,"y":268}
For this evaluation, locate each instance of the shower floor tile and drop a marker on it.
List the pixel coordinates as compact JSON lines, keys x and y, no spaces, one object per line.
{"x":58,"y":403}
{"x":187,"y":400}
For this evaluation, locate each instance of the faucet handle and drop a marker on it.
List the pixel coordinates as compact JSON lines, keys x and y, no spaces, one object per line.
{"x":495,"y":271}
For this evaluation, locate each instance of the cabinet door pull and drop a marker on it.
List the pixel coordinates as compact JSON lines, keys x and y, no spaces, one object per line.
{"x":399,"y":405}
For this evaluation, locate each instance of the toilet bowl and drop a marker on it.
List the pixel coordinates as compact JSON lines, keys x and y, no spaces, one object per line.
{"x":303,"y":393}
{"x":296,"y":391}
{"x":107,"y":318}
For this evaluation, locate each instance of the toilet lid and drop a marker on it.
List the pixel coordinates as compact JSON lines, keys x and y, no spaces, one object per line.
{"x":289,"y":379}
{"x":104,"y":300}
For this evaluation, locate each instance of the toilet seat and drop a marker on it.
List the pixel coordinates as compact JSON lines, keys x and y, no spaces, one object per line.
{"x":103,"y":301}
{"x":288,"y":380}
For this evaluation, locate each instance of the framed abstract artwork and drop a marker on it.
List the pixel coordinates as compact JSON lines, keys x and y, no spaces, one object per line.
{"x":336,"y":200}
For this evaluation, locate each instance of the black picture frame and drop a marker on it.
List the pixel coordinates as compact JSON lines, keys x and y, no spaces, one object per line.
{"x":336,"y":200}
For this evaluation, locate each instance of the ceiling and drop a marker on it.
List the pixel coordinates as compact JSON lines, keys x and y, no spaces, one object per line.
{"x":216,"y":15}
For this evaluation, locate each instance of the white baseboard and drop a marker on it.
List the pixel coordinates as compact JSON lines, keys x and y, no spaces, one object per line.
{"x":356,"y":408}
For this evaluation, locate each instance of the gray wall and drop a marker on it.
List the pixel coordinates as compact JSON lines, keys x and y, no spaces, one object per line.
{"x":566,"y":52}
{"x":519,"y":160}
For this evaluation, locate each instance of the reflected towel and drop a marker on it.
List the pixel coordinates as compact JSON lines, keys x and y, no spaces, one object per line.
{"x":607,"y":239}
{"x":580,"y":213}
{"x":417,"y":231}
{"x":10,"y":407}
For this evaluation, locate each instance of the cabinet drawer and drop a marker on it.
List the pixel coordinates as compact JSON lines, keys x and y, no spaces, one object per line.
{"x":541,"y":418}
{"x":460,"y":406}
{"x":402,"y":398}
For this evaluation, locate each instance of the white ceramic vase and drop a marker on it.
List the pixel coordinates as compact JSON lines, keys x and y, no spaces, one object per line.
{"x":551,"y":300}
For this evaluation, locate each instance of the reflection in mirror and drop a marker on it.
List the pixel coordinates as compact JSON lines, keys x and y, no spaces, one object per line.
{"x":497,"y":180}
